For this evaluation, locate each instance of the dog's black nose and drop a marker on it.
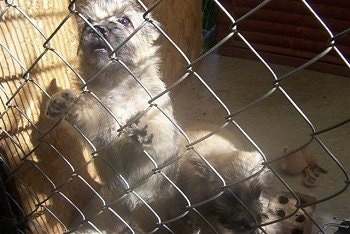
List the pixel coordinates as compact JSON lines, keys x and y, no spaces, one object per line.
{"x":102,"y":29}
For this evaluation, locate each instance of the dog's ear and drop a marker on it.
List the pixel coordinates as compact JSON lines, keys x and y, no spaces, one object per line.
{"x":152,"y":31}
{"x":150,"y":25}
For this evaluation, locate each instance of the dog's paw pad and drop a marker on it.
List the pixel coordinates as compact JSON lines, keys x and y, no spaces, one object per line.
{"x":59,"y":104}
{"x":141,"y":134}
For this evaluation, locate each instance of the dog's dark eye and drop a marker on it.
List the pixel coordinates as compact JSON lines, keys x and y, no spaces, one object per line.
{"x":124,"y":21}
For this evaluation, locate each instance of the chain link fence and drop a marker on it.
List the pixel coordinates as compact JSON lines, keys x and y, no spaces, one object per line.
{"x":45,"y":167}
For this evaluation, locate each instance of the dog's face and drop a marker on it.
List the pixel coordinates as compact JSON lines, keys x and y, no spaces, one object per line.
{"x":113,"y":22}
{"x":233,"y":216}
{"x":237,"y":210}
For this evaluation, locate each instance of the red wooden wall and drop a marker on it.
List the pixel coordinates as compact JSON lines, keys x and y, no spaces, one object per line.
{"x":286,"y":32}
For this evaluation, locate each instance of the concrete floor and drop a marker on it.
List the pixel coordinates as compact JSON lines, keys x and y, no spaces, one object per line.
{"x":275,"y":124}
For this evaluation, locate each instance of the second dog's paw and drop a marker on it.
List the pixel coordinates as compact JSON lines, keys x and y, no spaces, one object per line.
{"x":59,"y":103}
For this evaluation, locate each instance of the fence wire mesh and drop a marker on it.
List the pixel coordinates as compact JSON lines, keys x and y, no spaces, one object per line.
{"x":36,"y":193}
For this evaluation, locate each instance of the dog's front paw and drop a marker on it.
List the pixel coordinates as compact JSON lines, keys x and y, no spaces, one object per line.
{"x":140,"y":133}
{"x":60,"y":103}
